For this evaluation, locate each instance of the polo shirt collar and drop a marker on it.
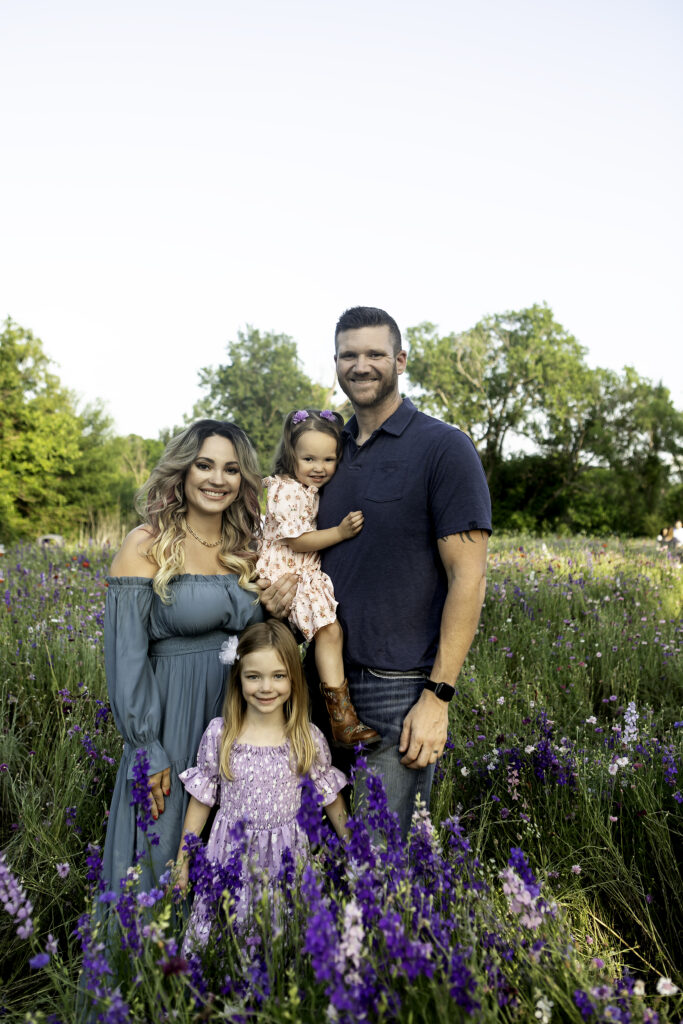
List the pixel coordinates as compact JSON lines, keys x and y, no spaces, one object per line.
{"x":395,"y":425}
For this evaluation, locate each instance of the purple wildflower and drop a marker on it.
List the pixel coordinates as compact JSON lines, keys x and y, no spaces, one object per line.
{"x":15,"y":901}
{"x":320,"y":927}
{"x":583,"y":1004}
{"x":39,"y":960}
{"x":669,"y":765}
{"x":631,"y":716}
{"x":93,"y":862}
{"x":309,"y":815}
{"x":461,"y":982}
{"x":141,"y":796}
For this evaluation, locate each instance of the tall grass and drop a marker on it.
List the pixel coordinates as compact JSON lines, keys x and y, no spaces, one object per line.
{"x":566,"y":741}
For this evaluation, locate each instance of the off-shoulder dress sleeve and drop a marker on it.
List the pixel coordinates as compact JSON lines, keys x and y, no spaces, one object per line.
{"x":292,"y":507}
{"x":133,"y":689}
{"x":327,"y":779}
{"x":201,"y":781}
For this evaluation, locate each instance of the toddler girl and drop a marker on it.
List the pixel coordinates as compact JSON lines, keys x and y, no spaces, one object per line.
{"x":251,"y":762}
{"x":306,"y":459}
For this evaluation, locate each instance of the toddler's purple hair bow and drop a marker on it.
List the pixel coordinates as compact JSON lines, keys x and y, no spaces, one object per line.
{"x":299,"y":416}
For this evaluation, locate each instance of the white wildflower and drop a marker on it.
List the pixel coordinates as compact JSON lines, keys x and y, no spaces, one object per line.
{"x":228,"y":652}
{"x":666,"y":987}
{"x":544,"y":1007}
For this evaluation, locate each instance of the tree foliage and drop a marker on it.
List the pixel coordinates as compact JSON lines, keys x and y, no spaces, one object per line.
{"x":598,"y":436}
{"x":261,"y":382}
{"x":565,"y":447}
{"x":39,"y":432}
{"x":509,"y":375}
{"x":59,"y":467}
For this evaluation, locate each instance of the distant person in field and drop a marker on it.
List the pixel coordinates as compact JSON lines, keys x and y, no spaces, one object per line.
{"x":306,"y":460}
{"x":665,"y":538}
{"x":181,"y":586}
{"x":250,"y":763}
{"x":678,"y":534}
{"x":410,"y":584}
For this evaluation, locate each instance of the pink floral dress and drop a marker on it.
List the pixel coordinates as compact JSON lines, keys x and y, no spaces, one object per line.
{"x":291,"y":510}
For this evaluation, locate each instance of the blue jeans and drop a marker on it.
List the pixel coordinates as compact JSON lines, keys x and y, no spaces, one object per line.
{"x":382,"y":700}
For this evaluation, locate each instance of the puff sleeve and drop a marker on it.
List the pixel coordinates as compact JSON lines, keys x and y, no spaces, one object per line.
{"x":201,"y":781}
{"x":131,"y":683}
{"x":327,"y":779}
{"x":291,"y":507}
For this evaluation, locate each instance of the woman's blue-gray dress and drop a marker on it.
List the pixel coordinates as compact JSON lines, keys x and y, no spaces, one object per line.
{"x":166,"y":682}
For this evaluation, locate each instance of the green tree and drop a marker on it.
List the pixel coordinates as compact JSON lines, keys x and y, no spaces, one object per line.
{"x":261,"y":382}
{"x":508,"y":375}
{"x":644,"y":445}
{"x":60,"y":468}
{"x":39,"y":436}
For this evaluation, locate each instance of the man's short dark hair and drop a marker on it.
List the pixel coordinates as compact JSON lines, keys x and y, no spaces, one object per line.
{"x":368,"y":316}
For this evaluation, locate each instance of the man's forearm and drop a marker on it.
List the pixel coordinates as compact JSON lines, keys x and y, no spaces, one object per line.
{"x":459,"y":621}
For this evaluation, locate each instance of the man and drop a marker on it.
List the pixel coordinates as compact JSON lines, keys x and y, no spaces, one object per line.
{"x":410,"y":585}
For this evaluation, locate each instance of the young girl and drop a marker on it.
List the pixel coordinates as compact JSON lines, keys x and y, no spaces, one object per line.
{"x":251,"y":762}
{"x":306,"y":459}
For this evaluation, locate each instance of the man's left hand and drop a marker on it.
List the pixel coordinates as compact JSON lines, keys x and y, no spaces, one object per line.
{"x":424,"y":733}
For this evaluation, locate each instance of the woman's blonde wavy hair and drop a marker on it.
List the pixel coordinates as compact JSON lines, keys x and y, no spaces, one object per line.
{"x":259,"y":637}
{"x":161,"y":504}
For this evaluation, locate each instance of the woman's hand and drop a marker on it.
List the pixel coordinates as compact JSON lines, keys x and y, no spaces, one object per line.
{"x":277,"y":597}
{"x":351,"y":525}
{"x":159,"y":787}
{"x":182,"y":865}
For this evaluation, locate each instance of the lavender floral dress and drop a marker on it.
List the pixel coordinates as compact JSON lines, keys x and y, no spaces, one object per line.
{"x":265,"y":794}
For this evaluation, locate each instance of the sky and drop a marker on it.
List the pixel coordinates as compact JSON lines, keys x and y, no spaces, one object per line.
{"x":173,"y":172}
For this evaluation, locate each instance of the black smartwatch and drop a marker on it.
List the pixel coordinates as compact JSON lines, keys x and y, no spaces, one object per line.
{"x":444,"y":691}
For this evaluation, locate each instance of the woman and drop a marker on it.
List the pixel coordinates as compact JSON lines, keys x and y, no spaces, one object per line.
{"x":181,"y":585}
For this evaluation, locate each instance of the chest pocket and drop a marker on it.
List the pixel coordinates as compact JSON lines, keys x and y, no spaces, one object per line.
{"x":387,"y":482}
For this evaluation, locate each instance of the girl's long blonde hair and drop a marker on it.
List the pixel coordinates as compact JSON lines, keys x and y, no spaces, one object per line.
{"x":259,"y":637}
{"x":161,"y":504}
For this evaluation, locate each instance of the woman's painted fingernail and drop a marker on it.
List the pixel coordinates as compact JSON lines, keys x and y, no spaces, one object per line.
{"x":167,"y":793}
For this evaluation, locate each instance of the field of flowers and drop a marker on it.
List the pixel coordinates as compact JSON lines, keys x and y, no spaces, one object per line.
{"x":547,"y":884}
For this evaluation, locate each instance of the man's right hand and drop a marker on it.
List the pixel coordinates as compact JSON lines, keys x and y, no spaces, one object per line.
{"x":277,"y":598}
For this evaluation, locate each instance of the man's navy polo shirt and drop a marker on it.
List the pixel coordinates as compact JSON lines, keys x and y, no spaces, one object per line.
{"x":415,"y":479}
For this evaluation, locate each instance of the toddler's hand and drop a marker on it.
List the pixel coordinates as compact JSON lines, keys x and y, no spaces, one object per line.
{"x":351,"y":525}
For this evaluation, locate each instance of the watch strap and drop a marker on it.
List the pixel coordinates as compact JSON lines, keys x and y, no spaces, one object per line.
{"x":444,"y":691}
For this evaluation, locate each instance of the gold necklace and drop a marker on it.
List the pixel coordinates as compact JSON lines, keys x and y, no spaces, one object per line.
{"x":201,"y":539}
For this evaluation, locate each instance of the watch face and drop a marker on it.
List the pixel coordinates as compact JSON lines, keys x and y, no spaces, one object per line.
{"x":444,"y":691}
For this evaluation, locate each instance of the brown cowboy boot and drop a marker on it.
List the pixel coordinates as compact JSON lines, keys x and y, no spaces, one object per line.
{"x":347,"y":729}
